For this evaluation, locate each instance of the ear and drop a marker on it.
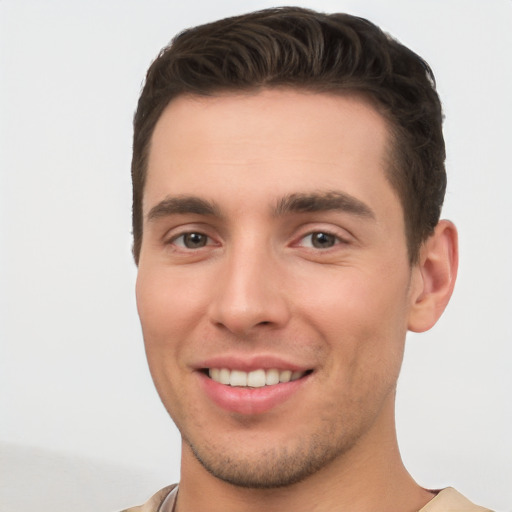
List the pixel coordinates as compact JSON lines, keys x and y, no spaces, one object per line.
{"x":434,"y":277}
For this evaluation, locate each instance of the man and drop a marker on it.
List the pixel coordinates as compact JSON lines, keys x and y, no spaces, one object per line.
{"x":288,"y":177}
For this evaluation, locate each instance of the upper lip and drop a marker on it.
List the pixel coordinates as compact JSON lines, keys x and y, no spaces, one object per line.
{"x":250,"y":363}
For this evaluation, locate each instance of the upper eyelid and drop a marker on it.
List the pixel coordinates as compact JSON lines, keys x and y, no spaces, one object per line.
{"x":297,"y":233}
{"x":337,"y":231}
{"x":339,"y":240}
{"x":184,"y":233}
{"x":187,"y":227}
{"x":323,"y":231}
{"x":172,"y":238}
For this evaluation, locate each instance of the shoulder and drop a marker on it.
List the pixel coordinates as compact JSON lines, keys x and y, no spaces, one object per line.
{"x":450,"y":500}
{"x":155,"y":502}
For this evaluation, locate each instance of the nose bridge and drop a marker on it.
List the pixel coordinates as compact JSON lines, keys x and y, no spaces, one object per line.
{"x":249,"y":292}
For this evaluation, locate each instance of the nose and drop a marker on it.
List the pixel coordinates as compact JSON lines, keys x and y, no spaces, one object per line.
{"x":250,"y":293}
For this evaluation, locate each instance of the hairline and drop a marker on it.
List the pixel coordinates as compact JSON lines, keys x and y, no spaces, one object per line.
{"x":391,"y":161}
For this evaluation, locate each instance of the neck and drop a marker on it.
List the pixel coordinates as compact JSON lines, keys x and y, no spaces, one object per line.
{"x":369,"y":477}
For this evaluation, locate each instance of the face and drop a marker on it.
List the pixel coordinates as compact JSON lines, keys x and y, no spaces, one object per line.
{"x":274,"y":287}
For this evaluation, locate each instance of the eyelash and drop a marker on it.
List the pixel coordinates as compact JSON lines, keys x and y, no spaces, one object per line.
{"x":183,"y":236}
{"x":329,"y":238}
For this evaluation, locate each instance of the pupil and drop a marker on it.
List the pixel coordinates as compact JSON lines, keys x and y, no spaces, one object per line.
{"x":323,"y":240}
{"x":194,"y":240}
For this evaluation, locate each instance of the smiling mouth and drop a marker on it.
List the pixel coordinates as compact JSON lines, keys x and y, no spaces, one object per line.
{"x":254,"y":379}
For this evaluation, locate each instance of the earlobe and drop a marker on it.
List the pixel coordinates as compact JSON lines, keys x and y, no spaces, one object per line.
{"x":435,"y":277}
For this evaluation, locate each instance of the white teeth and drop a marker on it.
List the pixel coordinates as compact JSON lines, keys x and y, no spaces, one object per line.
{"x":272,"y":377}
{"x":224,"y":376}
{"x":285,"y":376}
{"x":254,"y":379}
{"x":238,"y":378}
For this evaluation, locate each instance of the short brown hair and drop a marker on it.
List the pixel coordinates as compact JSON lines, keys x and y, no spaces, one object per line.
{"x":304,"y":49}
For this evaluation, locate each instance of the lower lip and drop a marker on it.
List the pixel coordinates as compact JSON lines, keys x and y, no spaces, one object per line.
{"x":250,"y":400}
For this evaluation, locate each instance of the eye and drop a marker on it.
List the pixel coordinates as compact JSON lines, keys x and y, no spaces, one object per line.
{"x":191,"y":240}
{"x":320,"y":240}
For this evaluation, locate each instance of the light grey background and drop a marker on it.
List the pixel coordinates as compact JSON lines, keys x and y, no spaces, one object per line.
{"x":81,"y":427}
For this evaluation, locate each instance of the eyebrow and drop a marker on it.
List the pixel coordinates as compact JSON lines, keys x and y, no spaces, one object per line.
{"x":323,"y":201}
{"x":292,"y":203}
{"x":182,"y":205}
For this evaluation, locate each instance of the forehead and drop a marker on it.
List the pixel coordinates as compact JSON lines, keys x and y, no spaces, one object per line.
{"x":270,"y":143}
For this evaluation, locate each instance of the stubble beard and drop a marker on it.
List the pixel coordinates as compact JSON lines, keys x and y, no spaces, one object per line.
{"x":274,"y":467}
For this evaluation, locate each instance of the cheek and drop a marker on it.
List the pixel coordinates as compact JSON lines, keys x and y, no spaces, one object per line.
{"x":362,"y":317}
{"x":167,"y":303}
{"x":161,"y":317}
{"x":382,"y":326}
{"x":356,"y":299}
{"x":158,"y":310}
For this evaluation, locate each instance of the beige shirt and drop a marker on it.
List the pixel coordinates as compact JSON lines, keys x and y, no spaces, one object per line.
{"x":447,"y":500}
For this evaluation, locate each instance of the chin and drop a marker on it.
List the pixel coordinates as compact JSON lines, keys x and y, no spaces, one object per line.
{"x":269,"y":467}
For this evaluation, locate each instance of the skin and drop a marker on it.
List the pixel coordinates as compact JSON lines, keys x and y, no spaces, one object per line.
{"x":257,"y":286}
